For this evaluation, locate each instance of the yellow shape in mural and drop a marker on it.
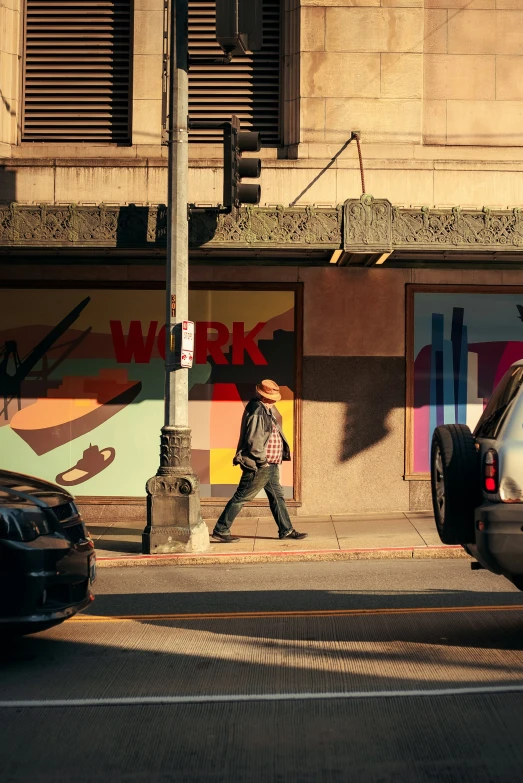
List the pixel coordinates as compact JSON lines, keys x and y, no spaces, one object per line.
{"x":286,"y":409}
{"x":222,"y":469}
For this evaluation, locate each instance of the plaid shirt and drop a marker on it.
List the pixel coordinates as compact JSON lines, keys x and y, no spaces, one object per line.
{"x":274,"y":445}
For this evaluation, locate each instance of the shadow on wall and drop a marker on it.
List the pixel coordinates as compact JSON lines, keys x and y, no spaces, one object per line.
{"x":321,"y":173}
{"x":7,"y":185}
{"x":134,"y":230}
{"x":370,"y":387}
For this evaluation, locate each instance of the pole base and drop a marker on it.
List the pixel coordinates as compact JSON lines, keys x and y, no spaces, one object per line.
{"x":174,"y":520}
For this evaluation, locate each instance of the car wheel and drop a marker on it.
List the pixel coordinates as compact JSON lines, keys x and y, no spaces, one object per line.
{"x":454,"y":482}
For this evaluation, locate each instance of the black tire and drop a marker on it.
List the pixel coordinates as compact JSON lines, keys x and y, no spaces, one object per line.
{"x":455,"y":482}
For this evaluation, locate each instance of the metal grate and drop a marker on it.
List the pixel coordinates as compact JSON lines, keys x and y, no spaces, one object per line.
{"x":75,"y":533}
{"x":65,"y":511}
{"x":248,"y":87}
{"x":77,"y":71}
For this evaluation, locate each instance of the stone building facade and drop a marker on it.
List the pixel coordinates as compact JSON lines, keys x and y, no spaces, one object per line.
{"x":435,"y":90}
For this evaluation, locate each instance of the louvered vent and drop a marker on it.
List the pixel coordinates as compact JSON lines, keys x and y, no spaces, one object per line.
{"x":248,"y":87}
{"x":77,"y":71}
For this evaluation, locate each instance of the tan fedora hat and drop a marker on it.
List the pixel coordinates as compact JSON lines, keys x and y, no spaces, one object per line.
{"x":270,"y":390}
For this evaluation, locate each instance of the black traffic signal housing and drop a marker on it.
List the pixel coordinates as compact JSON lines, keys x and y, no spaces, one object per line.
{"x":239,"y":25}
{"x":235,"y":141}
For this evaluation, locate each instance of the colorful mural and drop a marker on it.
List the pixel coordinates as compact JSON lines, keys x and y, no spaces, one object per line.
{"x":82,"y":379}
{"x":463,"y":343}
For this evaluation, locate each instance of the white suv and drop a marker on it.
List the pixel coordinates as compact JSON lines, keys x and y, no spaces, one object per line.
{"x":477,"y":481}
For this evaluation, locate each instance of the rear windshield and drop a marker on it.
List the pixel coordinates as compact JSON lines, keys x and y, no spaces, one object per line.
{"x":495,"y":413}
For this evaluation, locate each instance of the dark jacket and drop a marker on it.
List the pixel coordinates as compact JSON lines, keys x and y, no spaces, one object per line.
{"x":254,"y":434}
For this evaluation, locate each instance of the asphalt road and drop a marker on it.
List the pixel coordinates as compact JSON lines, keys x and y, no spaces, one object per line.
{"x":350,"y":671}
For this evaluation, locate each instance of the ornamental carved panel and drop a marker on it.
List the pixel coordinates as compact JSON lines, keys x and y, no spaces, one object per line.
{"x":367,"y":225}
{"x":262,"y":226}
{"x":175,"y":448}
{"x":436,"y":229}
{"x":172,"y":485}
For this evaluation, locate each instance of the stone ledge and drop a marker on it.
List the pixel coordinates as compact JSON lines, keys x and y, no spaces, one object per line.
{"x":376,"y":226}
{"x":142,"y":227}
{"x":363,"y":229}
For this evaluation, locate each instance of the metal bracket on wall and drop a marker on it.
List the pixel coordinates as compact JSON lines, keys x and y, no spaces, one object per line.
{"x":192,"y":208}
{"x":225,"y":60}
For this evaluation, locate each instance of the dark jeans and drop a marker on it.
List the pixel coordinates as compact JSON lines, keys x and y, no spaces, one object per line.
{"x":250,"y":484}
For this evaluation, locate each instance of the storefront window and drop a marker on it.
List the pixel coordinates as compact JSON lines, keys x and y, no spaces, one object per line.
{"x":461,"y":342}
{"x":82,"y":383}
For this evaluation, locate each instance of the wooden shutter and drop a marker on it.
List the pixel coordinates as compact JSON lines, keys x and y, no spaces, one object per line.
{"x":248,"y":87}
{"x":77,"y":71}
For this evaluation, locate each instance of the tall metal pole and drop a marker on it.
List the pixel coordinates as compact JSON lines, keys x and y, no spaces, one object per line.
{"x":174,"y":521}
{"x":177,"y":273}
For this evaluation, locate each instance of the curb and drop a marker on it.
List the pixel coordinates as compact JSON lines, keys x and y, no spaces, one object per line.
{"x":297,"y":556}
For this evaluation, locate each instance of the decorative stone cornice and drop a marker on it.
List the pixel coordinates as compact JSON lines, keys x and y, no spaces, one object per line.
{"x":363,"y":228}
{"x":375,"y":226}
{"x":452,"y":229}
{"x":47,"y":225}
{"x":275,"y":227}
{"x":145,"y":227}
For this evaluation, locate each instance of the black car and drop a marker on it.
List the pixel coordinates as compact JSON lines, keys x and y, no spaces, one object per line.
{"x":47,"y":559}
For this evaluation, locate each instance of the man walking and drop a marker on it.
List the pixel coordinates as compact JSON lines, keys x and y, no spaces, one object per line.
{"x":261,"y":448}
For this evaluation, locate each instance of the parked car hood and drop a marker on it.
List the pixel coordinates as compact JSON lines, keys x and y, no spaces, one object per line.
{"x":44,"y":491}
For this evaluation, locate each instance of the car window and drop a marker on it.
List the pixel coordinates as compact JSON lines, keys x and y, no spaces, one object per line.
{"x":494,"y":414}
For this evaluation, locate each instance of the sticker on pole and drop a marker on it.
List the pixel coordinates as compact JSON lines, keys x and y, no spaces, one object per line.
{"x":186,"y":358}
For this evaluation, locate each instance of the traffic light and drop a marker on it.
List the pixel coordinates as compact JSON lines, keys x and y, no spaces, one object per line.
{"x":235,"y":167}
{"x":239,"y":25}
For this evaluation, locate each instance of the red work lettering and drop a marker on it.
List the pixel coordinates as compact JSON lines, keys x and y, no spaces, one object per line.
{"x":133,"y":345}
{"x":204,"y":346}
{"x":242,"y":343}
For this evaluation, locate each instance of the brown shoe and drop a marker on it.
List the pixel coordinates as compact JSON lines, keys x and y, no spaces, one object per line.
{"x":224,"y":538}
{"x":295,"y":534}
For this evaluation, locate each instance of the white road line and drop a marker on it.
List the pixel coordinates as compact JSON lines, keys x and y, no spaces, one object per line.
{"x":136,"y":701}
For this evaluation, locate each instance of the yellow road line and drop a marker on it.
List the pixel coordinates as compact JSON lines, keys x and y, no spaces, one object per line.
{"x":92,"y":618}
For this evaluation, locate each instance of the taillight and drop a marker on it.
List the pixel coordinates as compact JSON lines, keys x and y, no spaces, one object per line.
{"x":490,"y":471}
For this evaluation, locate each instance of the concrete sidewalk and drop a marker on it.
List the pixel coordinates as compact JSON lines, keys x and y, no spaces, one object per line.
{"x":348,"y":537}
